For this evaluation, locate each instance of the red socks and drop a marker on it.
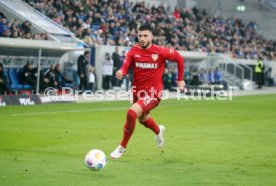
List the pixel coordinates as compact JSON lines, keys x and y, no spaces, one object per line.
{"x":129,"y":127}
{"x":150,"y":123}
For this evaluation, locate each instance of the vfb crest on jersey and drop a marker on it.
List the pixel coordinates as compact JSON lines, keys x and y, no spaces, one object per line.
{"x":154,"y":57}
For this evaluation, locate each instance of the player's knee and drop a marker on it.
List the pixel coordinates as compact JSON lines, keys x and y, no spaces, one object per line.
{"x":131,"y":119}
{"x":142,"y":120}
{"x":144,"y":124}
{"x":131,"y":115}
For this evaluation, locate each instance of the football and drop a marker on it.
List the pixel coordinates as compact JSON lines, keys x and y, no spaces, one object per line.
{"x":95,"y":160}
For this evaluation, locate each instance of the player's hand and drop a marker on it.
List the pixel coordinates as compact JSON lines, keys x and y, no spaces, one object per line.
{"x":119,"y":75}
{"x":181,"y":85}
{"x":46,"y":80}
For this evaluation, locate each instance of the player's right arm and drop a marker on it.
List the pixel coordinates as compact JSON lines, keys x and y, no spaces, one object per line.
{"x":119,"y":74}
{"x":126,"y":65}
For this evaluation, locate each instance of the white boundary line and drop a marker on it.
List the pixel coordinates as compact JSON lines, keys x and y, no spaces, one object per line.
{"x":81,"y":110}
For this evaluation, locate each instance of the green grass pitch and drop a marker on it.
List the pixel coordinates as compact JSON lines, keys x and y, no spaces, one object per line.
{"x":207,"y":143}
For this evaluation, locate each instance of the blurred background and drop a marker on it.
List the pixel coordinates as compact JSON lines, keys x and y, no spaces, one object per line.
{"x":229,"y":45}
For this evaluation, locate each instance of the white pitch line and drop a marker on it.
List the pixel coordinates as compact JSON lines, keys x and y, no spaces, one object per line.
{"x":78,"y":111}
{"x":33,"y":113}
{"x":67,"y":111}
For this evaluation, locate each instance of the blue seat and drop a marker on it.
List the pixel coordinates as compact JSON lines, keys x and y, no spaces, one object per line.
{"x":13,"y":76}
{"x":7,"y":76}
{"x":27,"y":87}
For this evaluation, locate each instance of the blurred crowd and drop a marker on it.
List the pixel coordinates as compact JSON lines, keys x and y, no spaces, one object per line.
{"x":14,"y":29}
{"x":106,"y":22}
{"x":26,"y":78}
{"x":114,"y":23}
{"x":84,"y":79}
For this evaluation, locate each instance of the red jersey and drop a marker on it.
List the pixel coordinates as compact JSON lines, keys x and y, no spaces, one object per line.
{"x":149,"y":64}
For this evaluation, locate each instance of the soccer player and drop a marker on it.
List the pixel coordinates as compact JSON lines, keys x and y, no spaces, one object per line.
{"x":148,"y":63}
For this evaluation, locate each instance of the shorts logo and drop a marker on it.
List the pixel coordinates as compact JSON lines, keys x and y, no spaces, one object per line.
{"x":154,"y":57}
{"x":147,"y":100}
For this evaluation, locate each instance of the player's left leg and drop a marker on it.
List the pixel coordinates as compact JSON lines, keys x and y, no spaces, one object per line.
{"x":149,"y":122}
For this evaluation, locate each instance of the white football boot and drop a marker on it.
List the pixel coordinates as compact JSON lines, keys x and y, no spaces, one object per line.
{"x":118,"y":152}
{"x":160,"y":137}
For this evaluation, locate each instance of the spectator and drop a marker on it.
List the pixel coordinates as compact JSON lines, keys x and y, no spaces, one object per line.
{"x":26,"y":28}
{"x":203,"y":76}
{"x":211,"y":77}
{"x":4,"y":30}
{"x":82,"y":70}
{"x":176,"y":13}
{"x":27,"y":76}
{"x":167,"y":79}
{"x":107,"y":70}
{"x":59,"y":78}
{"x":195,"y":78}
{"x":49,"y":78}
{"x":91,"y":78}
{"x":129,"y":76}
{"x":217,"y":76}
{"x":3,"y":81}
{"x":117,"y":61}
{"x":259,"y":70}
{"x":34,"y":77}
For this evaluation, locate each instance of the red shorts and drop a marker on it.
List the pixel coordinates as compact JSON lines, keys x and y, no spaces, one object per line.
{"x":146,"y":102}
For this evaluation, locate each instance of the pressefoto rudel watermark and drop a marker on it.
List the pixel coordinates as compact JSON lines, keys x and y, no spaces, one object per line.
{"x":102,"y":95}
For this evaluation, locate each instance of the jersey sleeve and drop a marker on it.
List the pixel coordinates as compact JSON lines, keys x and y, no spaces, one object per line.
{"x":172,"y":55}
{"x":127,"y":62}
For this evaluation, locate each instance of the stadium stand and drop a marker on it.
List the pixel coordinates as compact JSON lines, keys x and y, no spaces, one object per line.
{"x":113,"y":23}
{"x":13,"y":28}
{"x":271,"y":4}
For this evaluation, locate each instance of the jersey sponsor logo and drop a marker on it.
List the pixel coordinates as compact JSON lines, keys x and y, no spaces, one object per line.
{"x":154,"y":57}
{"x":146,"y":65}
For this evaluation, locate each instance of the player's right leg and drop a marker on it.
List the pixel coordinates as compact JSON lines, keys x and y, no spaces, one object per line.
{"x":132,"y":114}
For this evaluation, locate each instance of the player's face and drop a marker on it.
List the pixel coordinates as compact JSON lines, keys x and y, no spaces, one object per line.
{"x":145,"y":38}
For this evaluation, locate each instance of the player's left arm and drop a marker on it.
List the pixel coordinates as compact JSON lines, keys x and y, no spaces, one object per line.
{"x":173,"y":55}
